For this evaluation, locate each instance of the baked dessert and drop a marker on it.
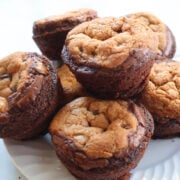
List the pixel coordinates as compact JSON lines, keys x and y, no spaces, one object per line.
{"x":71,"y":87}
{"x":162,"y":98}
{"x":101,"y":139}
{"x":29,"y":95}
{"x":111,"y":57}
{"x":125,"y":177}
{"x":50,"y":33}
{"x":167,"y":43}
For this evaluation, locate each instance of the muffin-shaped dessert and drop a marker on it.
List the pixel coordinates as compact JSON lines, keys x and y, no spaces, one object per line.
{"x":162,"y":98}
{"x":101,"y":139}
{"x":111,"y":57}
{"x":71,"y":87}
{"x":167,"y":43}
{"x":29,"y":95}
{"x":50,"y":33}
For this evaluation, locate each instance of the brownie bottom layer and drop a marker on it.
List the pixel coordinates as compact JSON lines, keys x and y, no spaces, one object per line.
{"x":124,"y":81}
{"x":169,"y":129}
{"x":48,"y":44}
{"x":117,"y":168}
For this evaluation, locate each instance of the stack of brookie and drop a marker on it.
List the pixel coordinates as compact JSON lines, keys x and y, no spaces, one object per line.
{"x":106,"y":86}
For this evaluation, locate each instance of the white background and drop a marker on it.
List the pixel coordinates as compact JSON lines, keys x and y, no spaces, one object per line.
{"x":17,"y":17}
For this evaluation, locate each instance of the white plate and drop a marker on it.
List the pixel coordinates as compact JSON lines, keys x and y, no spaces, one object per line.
{"x":37,"y":160}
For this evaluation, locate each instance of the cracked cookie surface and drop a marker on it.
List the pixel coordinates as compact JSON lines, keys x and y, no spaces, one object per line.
{"x":106,"y":42}
{"x":167,"y":43}
{"x":162,"y":94}
{"x":97,"y":126}
{"x":29,"y":94}
{"x":162,"y":98}
{"x":102,"y":139}
{"x":102,"y":51}
{"x":14,"y":75}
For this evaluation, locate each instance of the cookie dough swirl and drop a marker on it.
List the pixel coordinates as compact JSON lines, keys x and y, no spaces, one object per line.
{"x":162,"y":98}
{"x":29,"y":94}
{"x":111,"y":57}
{"x":167,"y":43}
{"x":101,"y":139}
{"x":107,"y":42}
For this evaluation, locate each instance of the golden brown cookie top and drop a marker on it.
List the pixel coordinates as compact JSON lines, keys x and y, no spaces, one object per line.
{"x":162,"y":94}
{"x":14,"y":75}
{"x":63,"y":22}
{"x":155,"y":24}
{"x":98,"y":127}
{"x":106,"y":42}
{"x":72,"y":88}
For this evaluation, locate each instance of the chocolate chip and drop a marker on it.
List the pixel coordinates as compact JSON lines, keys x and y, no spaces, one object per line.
{"x":95,"y":112}
{"x":3,"y":76}
{"x":126,"y":126}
